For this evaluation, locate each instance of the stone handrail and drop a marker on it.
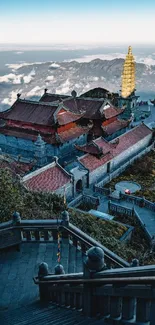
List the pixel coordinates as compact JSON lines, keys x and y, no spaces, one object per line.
{"x":87,"y":240}
{"x":138,"y":201}
{"x":119,"y":296}
{"x":47,"y":231}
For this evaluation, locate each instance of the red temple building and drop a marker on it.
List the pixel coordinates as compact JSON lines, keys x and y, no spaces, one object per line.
{"x":61,"y":122}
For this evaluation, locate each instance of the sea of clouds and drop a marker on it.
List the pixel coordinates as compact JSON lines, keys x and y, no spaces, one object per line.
{"x":23,"y":80}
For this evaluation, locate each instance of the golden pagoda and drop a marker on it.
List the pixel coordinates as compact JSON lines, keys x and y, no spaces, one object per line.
{"x":128,"y":75}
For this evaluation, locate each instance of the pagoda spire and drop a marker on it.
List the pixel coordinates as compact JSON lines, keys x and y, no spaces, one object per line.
{"x":128,"y":75}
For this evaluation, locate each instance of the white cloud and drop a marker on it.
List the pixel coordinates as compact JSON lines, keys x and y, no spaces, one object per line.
{"x":16,"y":66}
{"x":14,"y":79}
{"x":50,"y":78}
{"x":54,"y":65}
{"x":64,"y":88}
{"x":19,"y":52}
{"x":88,"y":58}
{"x":12,"y":98}
{"x":36,"y":91}
{"x":11,"y":78}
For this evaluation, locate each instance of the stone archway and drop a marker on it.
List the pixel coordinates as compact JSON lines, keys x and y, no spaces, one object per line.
{"x":79,"y":186}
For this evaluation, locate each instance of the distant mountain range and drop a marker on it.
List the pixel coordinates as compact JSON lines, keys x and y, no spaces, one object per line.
{"x":30,"y":79}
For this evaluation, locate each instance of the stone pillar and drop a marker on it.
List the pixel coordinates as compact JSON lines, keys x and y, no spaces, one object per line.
{"x":94,"y":262}
{"x":40,"y":151}
{"x":135,"y":262}
{"x":16,"y":218}
{"x":43,"y":287}
{"x":16,"y":221}
{"x":143,"y":311}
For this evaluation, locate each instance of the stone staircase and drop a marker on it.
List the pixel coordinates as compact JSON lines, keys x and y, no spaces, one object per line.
{"x":41,"y":314}
{"x":17,"y":269}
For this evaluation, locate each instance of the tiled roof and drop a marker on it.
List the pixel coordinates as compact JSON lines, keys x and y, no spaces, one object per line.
{"x":16,"y":167}
{"x":120,"y":144}
{"x":89,"y":148}
{"x":72,"y":133}
{"x":31,"y":112}
{"x":96,"y":147}
{"x":66,"y":117}
{"x":130,"y":138}
{"x":90,"y":107}
{"x":115,"y":126}
{"x":46,"y":179}
{"x":103,"y":144}
{"x":112,"y":111}
{"x":48,"y":98}
{"x":91,"y":162}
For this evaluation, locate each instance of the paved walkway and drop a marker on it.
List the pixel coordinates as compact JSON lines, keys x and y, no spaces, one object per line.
{"x":147,"y":216}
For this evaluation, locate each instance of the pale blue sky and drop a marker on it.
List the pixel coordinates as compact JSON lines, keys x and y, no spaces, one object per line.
{"x":82,"y":21}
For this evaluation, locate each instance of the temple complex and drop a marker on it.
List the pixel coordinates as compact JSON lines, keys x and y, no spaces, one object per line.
{"x":55,"y":124}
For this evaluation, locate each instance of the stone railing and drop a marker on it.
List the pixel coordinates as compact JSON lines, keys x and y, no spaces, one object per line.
{"x":119,"y":210}
{"x":140,"y":201}
{"x":47,"y":231}
{"x":101,"y":190}
{"x":119,"y":296}
{"x":83,"y":198}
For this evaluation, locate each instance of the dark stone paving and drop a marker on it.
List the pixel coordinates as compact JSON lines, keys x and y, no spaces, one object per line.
{"x":17,"y":270}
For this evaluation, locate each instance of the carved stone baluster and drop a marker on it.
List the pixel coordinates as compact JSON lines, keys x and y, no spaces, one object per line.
{"x":55,"y":234}
{"x":105,"y":306}
{"x":46,"y":235}
{"x":74,"y":242}
{"x":128,"y":308}
{"x":67,"y":298}
{"x":143,"y":310}
{"x":83,"y":247}
{"x":72,"y":299}
{"x":152,"y":311}
{"x":37,"y":235}
{"x":28,"y":235}
{"x":115,"y":307}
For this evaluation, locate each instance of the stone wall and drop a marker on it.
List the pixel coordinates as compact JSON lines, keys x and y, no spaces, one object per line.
{"x":26,"y":148}
{"x":132,"y":151}
{"x":96,"y":174}
{"x":122,"y":166}
{"x":68,"y":189}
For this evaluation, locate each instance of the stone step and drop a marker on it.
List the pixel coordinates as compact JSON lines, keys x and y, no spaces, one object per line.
{"x":19,"y":268}
{"x":38,"y":314}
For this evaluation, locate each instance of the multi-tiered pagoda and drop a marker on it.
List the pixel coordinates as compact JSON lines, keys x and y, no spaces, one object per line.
{"x":128,"y":97}
{"x":128,"y":75}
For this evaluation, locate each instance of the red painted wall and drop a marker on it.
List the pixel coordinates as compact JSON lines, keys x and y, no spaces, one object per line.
{"x":29,"y":126}
{"x":110,"y":120}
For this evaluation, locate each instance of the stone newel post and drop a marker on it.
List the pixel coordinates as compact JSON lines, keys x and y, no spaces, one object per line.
{"x":43,"y":288}
{"x":93,"y":263}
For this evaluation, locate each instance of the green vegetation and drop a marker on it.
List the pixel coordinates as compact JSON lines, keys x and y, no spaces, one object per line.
{"x":142,"y":172}
{"x":86,"y":206}
{"x":14,"y":197}
{"x":108,"y":234}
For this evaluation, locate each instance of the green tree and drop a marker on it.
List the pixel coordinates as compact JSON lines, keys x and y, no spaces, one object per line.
{"x":10,"y":197}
